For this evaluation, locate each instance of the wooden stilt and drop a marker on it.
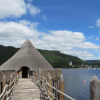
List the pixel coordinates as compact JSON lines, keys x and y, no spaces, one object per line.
{"x":11,"y":78}
{"x":61,"y":87}
{"x":0,"y":87}
{"x":4,"y":81}
{"x":49,"y":79}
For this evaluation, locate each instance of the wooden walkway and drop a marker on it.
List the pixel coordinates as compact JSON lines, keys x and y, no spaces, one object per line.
{"x":26,"y":90}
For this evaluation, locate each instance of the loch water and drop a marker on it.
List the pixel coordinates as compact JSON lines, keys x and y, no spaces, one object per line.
{"x":74,"y":82}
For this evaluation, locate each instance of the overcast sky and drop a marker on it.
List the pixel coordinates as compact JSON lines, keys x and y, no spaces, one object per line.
{"x":69,"y":26}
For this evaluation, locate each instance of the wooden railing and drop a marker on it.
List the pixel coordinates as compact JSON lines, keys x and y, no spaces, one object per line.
{"x":5,"y":95}
{"x":46,"y":86}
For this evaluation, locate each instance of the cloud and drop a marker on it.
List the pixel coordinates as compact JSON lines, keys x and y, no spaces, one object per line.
{"x":69,"y":42}
{"x":28,"y":23}
{"x":32,"y":9}
{"x":16,"y":8}
{"x":85,"y":55}
{"x":98,"y":23}
{"x":14,"y":31}
{"x":91,"y":27}
{"x":87,"y":45}
{"x":9,"y":8}
{"x":97,"y":39}
{"x":44,"y":17}
{"x":64,"y":37}
{"x":91,"y":37}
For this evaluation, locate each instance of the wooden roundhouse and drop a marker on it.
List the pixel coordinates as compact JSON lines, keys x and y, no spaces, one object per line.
{"x":26,"y":60}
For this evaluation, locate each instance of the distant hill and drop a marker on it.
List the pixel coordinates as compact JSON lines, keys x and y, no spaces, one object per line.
{"x":55,"y":58}
{"x":92,"y":61}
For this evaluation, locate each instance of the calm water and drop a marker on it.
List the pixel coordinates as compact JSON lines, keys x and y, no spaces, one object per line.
{"x":74,"y":85}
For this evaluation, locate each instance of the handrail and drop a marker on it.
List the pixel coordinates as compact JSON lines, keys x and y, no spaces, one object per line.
{"x":60,"y":91}
{"x":47,"y":84}
{"x":5,"y":92}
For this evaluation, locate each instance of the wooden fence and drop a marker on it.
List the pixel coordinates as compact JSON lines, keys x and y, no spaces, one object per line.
{"x":53,"y":88}
{"x":7,"y":89}
{"x":6,"y":77}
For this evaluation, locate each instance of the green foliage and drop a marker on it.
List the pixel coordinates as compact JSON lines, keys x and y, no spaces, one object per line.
{"x":6,"y":53}
{"x":60,"y":60}
{"x":55,"y":58}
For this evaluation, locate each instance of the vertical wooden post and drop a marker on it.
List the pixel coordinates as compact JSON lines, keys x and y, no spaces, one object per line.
{"x":14,"y":75}
{"x":61,"y":87}
{"x":36,"y":72}
{"x":11,"y":78}
{"x":94,"y":88}
{"x":0,"y":88}
{"x":33,"y":76}
{"x":49,"y":79}
{"x":4,"y":81}
{"x":39,"y":76}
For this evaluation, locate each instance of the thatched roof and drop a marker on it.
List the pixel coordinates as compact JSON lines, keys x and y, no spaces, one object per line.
{"x":27,"y":56}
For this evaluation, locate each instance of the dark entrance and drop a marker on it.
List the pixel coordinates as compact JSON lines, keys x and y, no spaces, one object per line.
{"x":24,"y":72}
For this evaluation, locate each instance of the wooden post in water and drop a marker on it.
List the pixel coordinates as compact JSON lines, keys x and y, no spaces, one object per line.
{"x":94,"y":88}
{"x":4,"y":81}
{"x":61,"y":87}
{"x":49,"y":79}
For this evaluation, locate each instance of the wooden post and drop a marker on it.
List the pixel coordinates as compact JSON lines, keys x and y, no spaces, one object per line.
{"x":11,"y":78}
{"x":13,"y":74}
{"x":33,"y":76}
{"x":0,"y":88}
{"x":39,"y":76}
{"x":61,"y":87}
{"x":4,"y":81}
{"x":49,"y":80}
{"x":94,"y":88}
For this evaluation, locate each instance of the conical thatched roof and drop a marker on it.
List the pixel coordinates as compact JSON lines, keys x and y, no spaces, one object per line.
{"x":27,"y":56}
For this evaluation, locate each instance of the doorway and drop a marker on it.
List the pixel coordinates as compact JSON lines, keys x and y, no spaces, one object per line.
{"x":25,"y":72}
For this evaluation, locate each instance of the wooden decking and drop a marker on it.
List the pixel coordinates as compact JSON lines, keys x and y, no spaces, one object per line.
{"x":26,"y":90}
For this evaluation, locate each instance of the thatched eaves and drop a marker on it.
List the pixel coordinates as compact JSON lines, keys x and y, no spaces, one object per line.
{"x":27,"y":56}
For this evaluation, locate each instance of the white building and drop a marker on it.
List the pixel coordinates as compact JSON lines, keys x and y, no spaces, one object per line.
{"x":70,"y":63}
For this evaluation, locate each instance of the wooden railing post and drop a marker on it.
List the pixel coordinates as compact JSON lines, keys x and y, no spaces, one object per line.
{"x":33,"y":76}
{"x":4,"y":81}
{"x":0,"y":88}
{"x":61,"y":87}
{"x":11,"y":78}
{"x":94,"y":88}
{"x":49,"y":80}
{"x":39,"y":75}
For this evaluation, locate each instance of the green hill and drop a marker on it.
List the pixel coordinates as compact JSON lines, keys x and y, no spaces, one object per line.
{"x":55,"y":58}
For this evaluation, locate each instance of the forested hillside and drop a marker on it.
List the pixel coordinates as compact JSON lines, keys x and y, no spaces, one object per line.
{"x":55,"y":58}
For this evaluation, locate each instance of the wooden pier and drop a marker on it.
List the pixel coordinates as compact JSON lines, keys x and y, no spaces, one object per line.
{"x":41,"y":86}
{"x":26,"y":90}
{"x":42,"y":82}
